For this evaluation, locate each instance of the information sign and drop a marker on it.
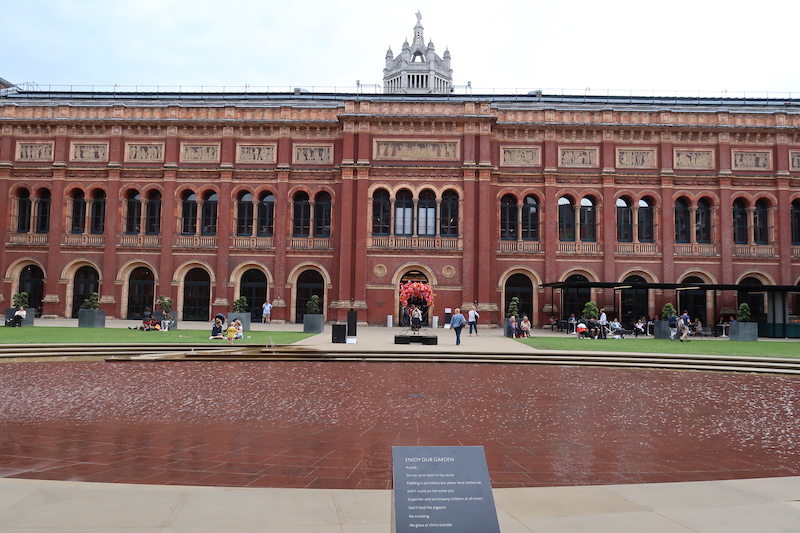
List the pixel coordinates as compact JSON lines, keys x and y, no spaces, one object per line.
{"x":444,"y":489}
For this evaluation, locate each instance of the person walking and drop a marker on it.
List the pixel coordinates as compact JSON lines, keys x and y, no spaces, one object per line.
{"x":684,"y":322}
{"x":457,"y":322}
{"x":473,"y":321}
{"x":672,"y":322}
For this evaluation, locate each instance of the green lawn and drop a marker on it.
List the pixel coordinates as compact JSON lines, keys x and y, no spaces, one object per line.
{"x":48,"y":335}
{"x":650,"y":345}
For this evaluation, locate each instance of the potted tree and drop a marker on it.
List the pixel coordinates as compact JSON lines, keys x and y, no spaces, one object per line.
{"x":313,"y":319}
{"x":661,"y":327}
{"x":240,"y":312}
{"x":742,"y":329}
{"x":21,"y":299}
{"x":90,"y":315}
{"x":164,"y":304}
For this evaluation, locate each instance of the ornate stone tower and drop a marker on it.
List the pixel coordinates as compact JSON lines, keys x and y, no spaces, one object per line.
{"x":417,"y":70}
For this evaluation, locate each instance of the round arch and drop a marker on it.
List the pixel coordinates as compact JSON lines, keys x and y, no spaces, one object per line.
{"x":123,"y":279}
{"x":292,"y":284}
{"x":15,"y":269}
{"x":524,"y":283}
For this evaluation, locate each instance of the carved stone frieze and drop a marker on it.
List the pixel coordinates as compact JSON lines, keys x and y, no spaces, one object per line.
{"x":34,"y":151}
{"x":794,"y":160}
{"x":144,"y":152}
{"x":520,"y":156}
{"x":88,"y":151}
{"x":416,"y":150}
{"x":312,"y":154}
{"x":578,"y":157}
{"x":751,"y":160}
{"x":636,"y":158}
{"x":700,"y":159}
{"x":256,"y":152}
{"x":200,"y":153}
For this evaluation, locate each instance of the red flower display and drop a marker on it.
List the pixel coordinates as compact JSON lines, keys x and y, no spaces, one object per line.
{"x":416,"y":289}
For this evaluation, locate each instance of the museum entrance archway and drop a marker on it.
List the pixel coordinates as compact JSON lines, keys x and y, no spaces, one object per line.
{"x":309,"y":283}
{"x":756,"y":300}
{"x":403,"y":310}
{"x":87,"y":281}
{"x":196,"y":295}
{"x":574,"y":298}
{"x":31,"y":280}
{"x":254,"y":288}
{"x":520,"y":285}
{"x":693,"y":300}
{"x":633,"y":302}
{"x":141,"y":290}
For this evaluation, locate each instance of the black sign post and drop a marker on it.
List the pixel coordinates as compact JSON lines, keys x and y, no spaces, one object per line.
{"x":443,"y":489}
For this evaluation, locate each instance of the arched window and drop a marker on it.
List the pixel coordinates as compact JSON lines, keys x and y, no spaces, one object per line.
{"x":266,"y":215}
{"x":133,"y":212}
{"x":381,"y":212}
{"x":404,"y":213}
{"x":796,"y":223}
{"x":703,"y":222}
{"x":624,"y":220}
{"x":530,"y":219}
{"x":588,"y":220}
{"x":301,"y":220}
{"x":426,"y":214}
{"x":508,"y":218}
{"x":566,"y":219}
{"x":448,"y":226}
{"x":98,"y":216}
{"x":761,"y":223}
{"x":23,"y":211}
{"x":682,"y":223}
{"x":646,"y":220}
{"x":322,"y":215}
{"x":739,"y":222}
{"x":43,"y":213}
{"x":152,"y":219}
{"x":244,"y":214}
{"x":209,"y":213}
{"x":189,"y":213}
{"x":78,"y":212}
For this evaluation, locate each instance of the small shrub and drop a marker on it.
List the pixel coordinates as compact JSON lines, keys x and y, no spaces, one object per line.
{"x":240,"y":305}
{"x":164,"y":303}
{"x":92,"y":302}
{"x":744,"y":312}
{"x":20,"y":299}
{"x":667,"y":310}
{"x":590,"y":310}
{"x":513,"y":307}
{"x":312,"y":306}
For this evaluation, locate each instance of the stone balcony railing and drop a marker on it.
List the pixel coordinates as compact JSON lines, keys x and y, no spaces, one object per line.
{"x":527,"y":247}
{"x":414,"y":243}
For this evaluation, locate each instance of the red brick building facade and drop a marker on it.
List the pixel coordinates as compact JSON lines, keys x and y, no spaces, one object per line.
{"x":206,"y":197}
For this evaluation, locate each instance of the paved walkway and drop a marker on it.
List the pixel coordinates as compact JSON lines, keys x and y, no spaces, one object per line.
{"x":748,"y":505}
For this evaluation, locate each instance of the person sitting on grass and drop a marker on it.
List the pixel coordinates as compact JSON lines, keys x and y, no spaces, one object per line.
{"x":239,"y":329}
{"x":583,"y":330}
{"x":216,"y":329}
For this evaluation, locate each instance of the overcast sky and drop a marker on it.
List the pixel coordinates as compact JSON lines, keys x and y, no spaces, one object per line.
{"x":700,"y":47}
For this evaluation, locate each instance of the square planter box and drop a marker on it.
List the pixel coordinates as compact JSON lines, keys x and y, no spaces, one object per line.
{"x":244,"y":318}
{"x":91,"y":318}
{"x":313,"y":323}
{"x":743,"y":331}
